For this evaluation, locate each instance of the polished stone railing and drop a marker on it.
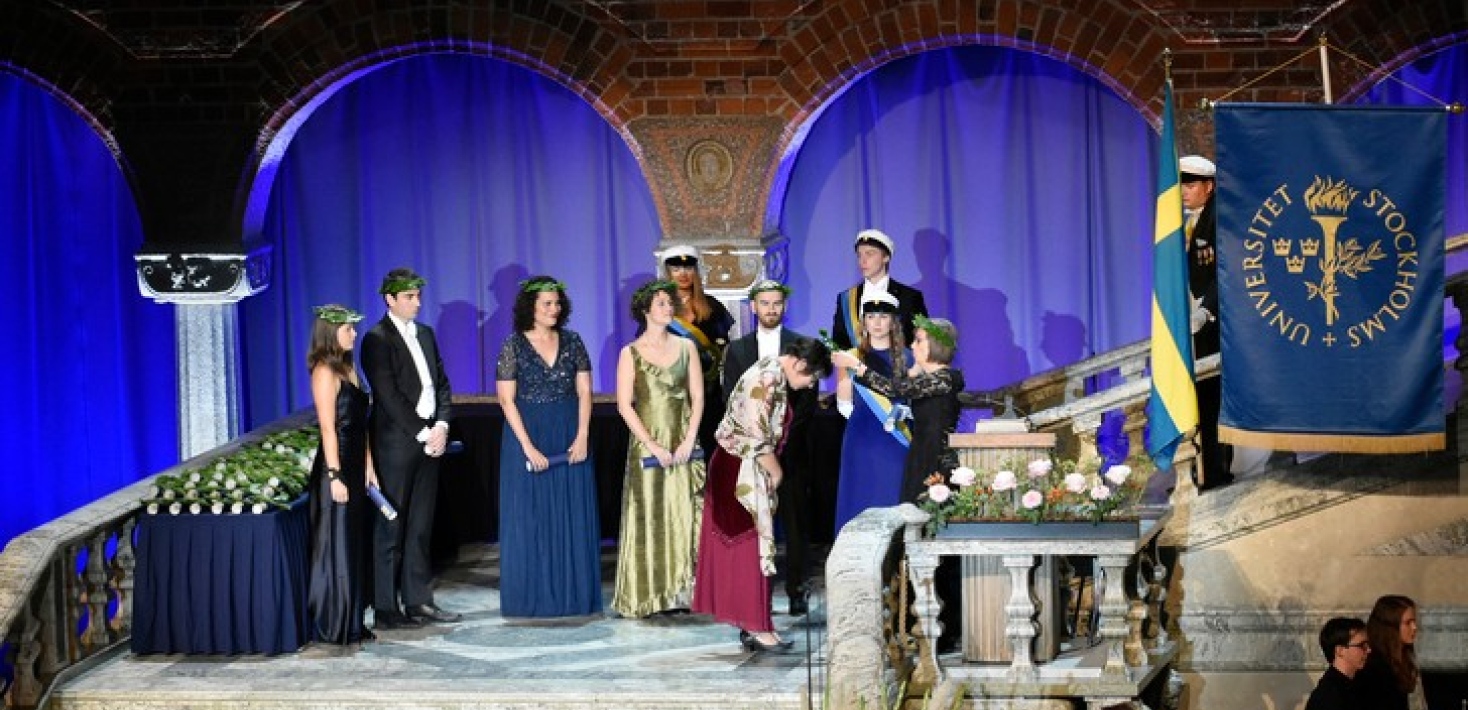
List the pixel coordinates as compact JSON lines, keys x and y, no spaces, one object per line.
{"x":66,"y":592}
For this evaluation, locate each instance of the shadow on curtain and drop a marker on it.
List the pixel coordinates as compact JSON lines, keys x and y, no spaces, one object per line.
{"x":1019,"y":193}
{"x":478,"y":174}
{"x":87,"y":379}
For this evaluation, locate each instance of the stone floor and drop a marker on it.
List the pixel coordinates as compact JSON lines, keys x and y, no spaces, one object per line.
{"x":485,"y":661}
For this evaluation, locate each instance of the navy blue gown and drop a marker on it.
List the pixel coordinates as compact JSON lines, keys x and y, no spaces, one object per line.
{"x":550,"y":534}
{"x":341,"y":532}
{"x":872,"y":458}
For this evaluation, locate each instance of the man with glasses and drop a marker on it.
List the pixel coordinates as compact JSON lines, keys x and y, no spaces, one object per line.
{"x":1343,"y":640}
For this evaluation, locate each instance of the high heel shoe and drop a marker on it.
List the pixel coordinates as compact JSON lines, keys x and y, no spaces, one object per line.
{"x":753,"y":643}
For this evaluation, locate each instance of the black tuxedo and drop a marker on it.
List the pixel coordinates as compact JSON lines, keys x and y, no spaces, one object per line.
{"x":1203,"y":282}
{"x":910,"y":304}
{"x":408,"y":476}
{"x":795,"y":459}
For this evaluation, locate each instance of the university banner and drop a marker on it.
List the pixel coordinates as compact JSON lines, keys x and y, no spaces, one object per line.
{"x":1330,"y":277}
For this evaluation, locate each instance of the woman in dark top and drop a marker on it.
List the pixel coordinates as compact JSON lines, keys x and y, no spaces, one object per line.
{"x":340,"y":515}
{"x":550,"y":536}
{"x":932,"y":387}
{"x":706,"y":322}
{"x":1390,"y":680}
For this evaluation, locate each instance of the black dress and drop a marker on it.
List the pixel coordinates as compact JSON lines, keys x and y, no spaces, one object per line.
{"x":1376,"y":686}
{"x":934,"y":402}
{"x":339,"y":531}
{"x":716,"y":327}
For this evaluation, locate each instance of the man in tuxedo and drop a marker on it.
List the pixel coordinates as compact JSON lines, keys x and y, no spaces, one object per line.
{"x":873,"y":257}
{"x":769,"y":338}
{"x":1200,"y":226}
{"x":409,"y":427}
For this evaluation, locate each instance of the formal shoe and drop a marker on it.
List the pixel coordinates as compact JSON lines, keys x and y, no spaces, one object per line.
{"x":367,"y":636}
{"x":798,"y":606}
{"x":428,"y":613}
{"x":394,"y":620}
{"x":743,"y":637}
{"x":753,"y":643}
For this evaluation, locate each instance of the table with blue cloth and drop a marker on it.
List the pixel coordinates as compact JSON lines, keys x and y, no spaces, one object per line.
{"x":222,"y":584}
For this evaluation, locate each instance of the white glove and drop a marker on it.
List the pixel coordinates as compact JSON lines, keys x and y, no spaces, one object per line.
{"x":1199,"y":317}
{"x":845,"y":407}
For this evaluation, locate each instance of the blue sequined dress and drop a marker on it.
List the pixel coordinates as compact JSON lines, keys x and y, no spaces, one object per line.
{"x":550,"y":539}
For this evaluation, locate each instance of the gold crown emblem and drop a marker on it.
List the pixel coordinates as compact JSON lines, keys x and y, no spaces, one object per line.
{"x":1295,"y":264}
{"x":1282,"y":247}
{"x":1309,"y":247}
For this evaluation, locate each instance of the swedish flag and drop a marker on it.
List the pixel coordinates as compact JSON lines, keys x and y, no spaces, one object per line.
{"x":1173,"y":410}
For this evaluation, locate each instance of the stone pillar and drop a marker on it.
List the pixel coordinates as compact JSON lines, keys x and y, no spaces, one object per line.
{"x":208,"y":376}
{"x":204,"y":289}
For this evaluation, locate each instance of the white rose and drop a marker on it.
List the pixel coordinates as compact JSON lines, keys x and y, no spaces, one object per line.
{"x":236,"y":507}
{"x":1005,"y":481}
{"x":1075,"y":482}
{"x":175,"y":509}
{"x":152,"y":509}
{"x":167,"y":495}
{"x":1118,"y":474}
{"x":273,"y":482}
{"x":1100,"y":492}
{"x":1040,"y":468}
{"x":963,"y":476}
{"x":194,"y":477}
{"x":216,"y":508}
{"x":257,"y":508}
{"x":939,"y":493}
{"x":219,"y":466}
{"x":230,"y":485}
{"x":194,"y":508}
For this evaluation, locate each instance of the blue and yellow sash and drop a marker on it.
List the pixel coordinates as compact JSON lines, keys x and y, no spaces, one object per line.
{"x":850,"y":313}
{"x":883,"y":409}
{"x":708,"y":352}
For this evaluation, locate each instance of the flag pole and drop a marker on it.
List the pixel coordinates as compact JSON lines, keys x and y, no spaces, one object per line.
{"x":1325,"y":70}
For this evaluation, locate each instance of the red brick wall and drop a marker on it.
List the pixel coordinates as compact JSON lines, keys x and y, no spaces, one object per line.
{"x":191,"y":96}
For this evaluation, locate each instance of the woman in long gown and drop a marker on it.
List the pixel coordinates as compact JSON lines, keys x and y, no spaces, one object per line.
{"x":932,"y":387}
{"x":550,"y":534}
{"x":706,"y":322}
{"x":873,"y":452}
{"x":736,"y":549}
{"x":340,"y":515}
{"x":660,"y":397}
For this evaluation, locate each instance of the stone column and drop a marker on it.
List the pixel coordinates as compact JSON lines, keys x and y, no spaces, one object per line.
{"x":204,"y":288}
{"x":208,"y":376}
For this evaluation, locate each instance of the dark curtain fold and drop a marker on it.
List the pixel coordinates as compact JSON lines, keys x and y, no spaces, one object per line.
{"x":87,"y":376}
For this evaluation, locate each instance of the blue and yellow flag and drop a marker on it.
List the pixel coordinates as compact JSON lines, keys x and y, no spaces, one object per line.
{"x":1330,"y":276}
{"x":1172,"y":411}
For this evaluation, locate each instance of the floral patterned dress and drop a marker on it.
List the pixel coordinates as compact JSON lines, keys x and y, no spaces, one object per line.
{"x":736,"y":552}
{"x":934,"y":401}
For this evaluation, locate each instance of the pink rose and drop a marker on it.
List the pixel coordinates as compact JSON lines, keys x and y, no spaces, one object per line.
{"x":963,"y":476}
{"x":1032,"y":499}
{"x":1004,"y":481}
{"x":1040,"y":468}
{"x":1075,"y":482}
{"x":1100,"y":492}
{"x":939,"y":493}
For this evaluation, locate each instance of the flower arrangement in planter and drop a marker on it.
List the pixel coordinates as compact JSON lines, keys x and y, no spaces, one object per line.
{"x":259,"y":477}
{"x":1036,"y":491}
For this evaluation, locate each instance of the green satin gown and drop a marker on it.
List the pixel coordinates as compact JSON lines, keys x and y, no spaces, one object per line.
{"x":661,"y":508}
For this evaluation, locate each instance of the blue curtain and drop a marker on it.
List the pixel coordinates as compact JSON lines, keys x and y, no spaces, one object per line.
{"x":475,"y":172}
{"x":1442,"y":75}
{"x":1017,"y":189}
{"x":87,"y":380}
